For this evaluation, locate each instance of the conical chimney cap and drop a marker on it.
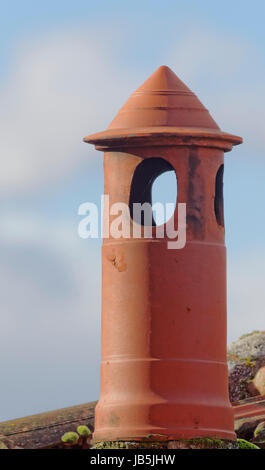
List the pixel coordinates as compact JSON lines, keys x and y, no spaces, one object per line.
{"x":163,"y":100}
{"x":163,"y":105}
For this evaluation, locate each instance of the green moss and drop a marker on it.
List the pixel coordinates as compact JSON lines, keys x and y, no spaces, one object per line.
{"x":246,"y":445}
{"x":2,"y":446}
{"x":70,"y":438}
{"x":130,"y":445}
{"x":259,"y":431}
{"x":84,"y":431}
{"x":110,"y":445}
{"x":200,"y":443}
{"x":207,"y":442}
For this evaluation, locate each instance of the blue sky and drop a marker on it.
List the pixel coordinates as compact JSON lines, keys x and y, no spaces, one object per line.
{"x":65,"y":69}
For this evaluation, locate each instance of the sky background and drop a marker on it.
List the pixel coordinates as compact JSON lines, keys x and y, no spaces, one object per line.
{"x":65,"y":69}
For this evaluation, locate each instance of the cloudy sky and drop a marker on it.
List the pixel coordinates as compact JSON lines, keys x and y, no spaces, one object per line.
{"x":65,"y":69}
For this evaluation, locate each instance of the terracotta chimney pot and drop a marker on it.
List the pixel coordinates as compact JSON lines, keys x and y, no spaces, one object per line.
{"x":164,"y":369}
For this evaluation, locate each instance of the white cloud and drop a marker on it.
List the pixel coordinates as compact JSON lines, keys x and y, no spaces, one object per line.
{"x":50,"y":316}
{"x":202,"y":54}
{"x":65,"y":85}
{"x":246,"y":294}
{"x":227,"y":74}
{"x":61,"y":87}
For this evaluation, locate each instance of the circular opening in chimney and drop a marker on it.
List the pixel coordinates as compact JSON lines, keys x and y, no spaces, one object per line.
{"x":219,"y":199}
{"x":153,"y":195}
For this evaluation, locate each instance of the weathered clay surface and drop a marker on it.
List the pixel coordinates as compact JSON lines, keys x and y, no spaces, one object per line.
{"x":245,"y":357}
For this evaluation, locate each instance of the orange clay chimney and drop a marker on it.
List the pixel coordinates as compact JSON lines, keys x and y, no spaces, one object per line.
{"x":164,"y":369}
